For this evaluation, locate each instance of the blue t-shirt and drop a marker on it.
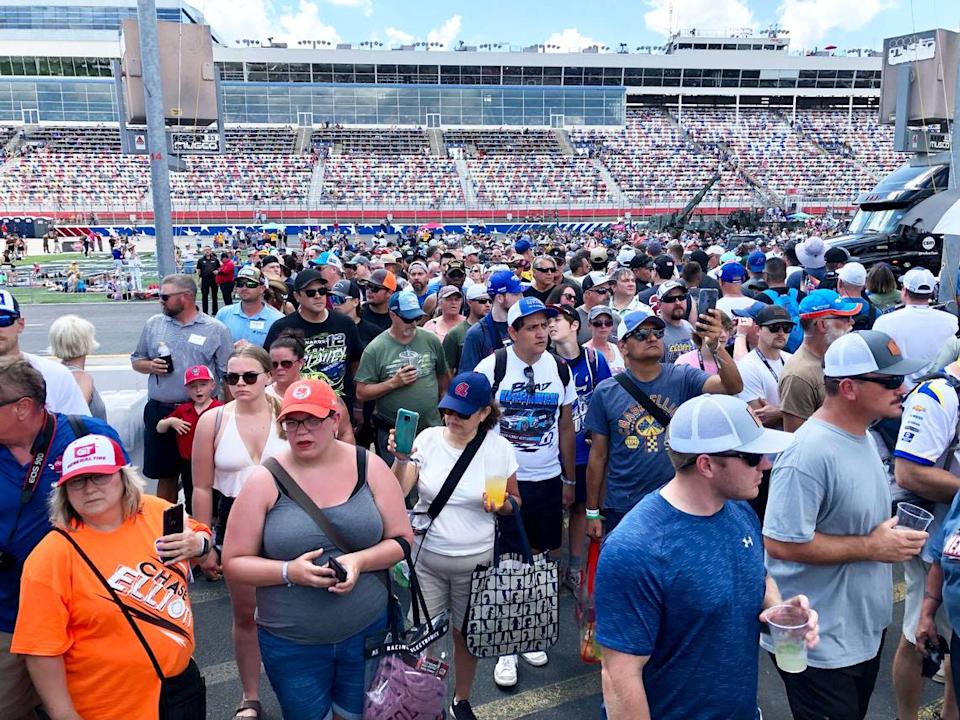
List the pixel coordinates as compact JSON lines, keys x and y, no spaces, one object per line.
{"x":482,"y":339}
{"x":637,"y":461}
{"x":34,"y":522}
{"x":253,"y":328}
{"x":687,"y":591}
{"x":586,"y":381}
{"x":944,"y":546}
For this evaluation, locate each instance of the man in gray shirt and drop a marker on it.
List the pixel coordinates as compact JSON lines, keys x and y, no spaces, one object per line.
{"x":193,"y":338}
{"x":677,"y":332}
{"x":828,"y":528}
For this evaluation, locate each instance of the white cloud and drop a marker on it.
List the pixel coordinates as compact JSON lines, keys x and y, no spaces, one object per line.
{"x":365,"y":5}
{"x":570,"y":40}
{"x":719,"y":15}
{"x":810,"y":21}
{"x":399,"y":37}
{"x":446,"y":33}
{"x":253,"y":19}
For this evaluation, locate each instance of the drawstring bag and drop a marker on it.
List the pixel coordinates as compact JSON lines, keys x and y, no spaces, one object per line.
{"x":404,"y":681}
{"x":586,"y":610}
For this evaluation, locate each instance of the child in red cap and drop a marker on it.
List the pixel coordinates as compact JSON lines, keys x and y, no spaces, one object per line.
{"x":200,"y":387}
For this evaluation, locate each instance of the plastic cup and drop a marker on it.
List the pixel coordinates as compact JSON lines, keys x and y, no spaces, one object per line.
{"x":496,"y":489}
{"x":912,"y":517}
{"x":788,"y":628}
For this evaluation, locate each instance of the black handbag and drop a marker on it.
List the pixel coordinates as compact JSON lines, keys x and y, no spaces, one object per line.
{"x":183,"y":696}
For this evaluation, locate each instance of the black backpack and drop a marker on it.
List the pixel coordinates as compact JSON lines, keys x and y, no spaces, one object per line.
{"x":500,"y":369}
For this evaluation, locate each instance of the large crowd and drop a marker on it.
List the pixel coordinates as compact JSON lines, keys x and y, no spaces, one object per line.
{"x":720,"y":453}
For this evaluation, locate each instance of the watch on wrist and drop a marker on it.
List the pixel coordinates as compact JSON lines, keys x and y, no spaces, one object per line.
{"x":205,"y":547}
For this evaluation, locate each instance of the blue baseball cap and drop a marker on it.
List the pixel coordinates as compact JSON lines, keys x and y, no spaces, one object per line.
{"x":756,"y":261}
{"x":522,"y":245}
{"x":502,"y":282}
{"x":732,"y":272}
{"x":527,"y":306}
{"x":467,"y":393}
{"x":406,"y":305}
{"x":632,"y":321}
{"x":823,"y":303}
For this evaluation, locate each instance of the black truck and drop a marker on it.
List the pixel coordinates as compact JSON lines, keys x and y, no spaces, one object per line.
{"x":895,"y":220}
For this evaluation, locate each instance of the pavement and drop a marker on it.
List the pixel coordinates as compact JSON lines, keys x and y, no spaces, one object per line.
{"x":565,"y":689}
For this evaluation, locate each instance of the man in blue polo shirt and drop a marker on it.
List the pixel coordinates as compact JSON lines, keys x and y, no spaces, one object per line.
{"x":250,"y":319}
{"x":31,"y":444}
{"x":490,"y":334}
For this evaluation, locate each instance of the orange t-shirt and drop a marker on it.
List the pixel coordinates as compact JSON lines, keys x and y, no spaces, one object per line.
{"x":65,"y":610}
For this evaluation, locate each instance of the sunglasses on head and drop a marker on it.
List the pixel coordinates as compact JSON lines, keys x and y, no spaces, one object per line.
{"x":249,"y":377}
{"x":602,"y":323}
{"x":285,"y":364}
{"x":890,"y":382}
{"x":247,"y":284}
{"x":642,"y":335}
{"x":445,"y":411}
{"x":779,"y":327}
{"x":531,"y":385}
{"x":8,"y":320}
{"x":674,"y":298}
{"x":313,"y":292}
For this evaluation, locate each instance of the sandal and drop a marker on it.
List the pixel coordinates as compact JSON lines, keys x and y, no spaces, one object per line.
{"x":248,"y":705}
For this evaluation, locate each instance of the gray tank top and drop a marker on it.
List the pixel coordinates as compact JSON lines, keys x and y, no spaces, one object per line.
{"x":97,"y":408}
{"x":312,"y":615}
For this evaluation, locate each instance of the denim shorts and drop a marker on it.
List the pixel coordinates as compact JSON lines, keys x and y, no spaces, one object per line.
{"x":313,"y":681}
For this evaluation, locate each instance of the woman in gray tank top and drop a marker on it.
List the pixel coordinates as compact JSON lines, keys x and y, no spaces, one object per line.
{"x":311,"y":625}
{"x":71,"y":339}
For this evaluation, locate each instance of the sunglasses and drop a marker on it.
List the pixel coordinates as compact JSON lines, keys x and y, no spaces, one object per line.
{"x":249,"y":378}
{"x":285,"y":364}
{"x":545,"y":269}
{"x":248,"y":284}
{"x":313,"y":292}
{"x":8,"y":320}
{"x":642,"y":335}
{"x":337,"y":300}
{"x":482,"y":301}
{"x":408,"y":322}
{"x":531,"y":386}
{"x":569,"y":296}
{"x":445,"y":412}
{"x":751,"y":459}
{"x":602,"y":323}
{"x":81,"y":482}
{"x":674,"y":298}
{"x":166,"y":296}
{"x":890,"y":382}
{"x":779,"y":327}
{"x":291,"y":426}
{"x":600,"y":290}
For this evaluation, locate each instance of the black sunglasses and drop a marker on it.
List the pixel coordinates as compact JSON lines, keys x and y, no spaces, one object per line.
{"x":445,"y":411}
{"x":248,"y":284}
{"x":642,"y":335}
{"x":482,"y":301}
{"x":531,"y":386}
{"x":313,"y":292}
{"x":545,"y":269}
{"x":779,"y":327}
{"x":599,"y":290}
{"x":249,"y":377}
{"x":166,"y":296}
{"x":890,"y":382}
{"x":285,"y":364}
{"x":408,"y":322}
{"x":602,"y":323}
{"x":751,"y":459}
{"x":674,"y":298}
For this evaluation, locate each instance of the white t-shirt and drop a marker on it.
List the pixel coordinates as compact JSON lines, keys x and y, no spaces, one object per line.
{"x":920,"y":331}
{"x":63,"y":393}
{"x":529,"y":420}
{"x":729,"y":303}
{"x":462,"y":527}
{"x":759,"y":380}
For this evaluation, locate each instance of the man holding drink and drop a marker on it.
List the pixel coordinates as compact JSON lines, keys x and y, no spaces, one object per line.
{"x":828,"y":530}
{"x":681,"y":588}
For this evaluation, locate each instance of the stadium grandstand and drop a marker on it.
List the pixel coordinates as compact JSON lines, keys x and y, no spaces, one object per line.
{"x":471,"y":132}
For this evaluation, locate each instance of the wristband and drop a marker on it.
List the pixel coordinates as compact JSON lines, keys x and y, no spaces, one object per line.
{"x":593,"y":514}
{"x":398,"y":461}
{"x":563,"y":479}
{"x":205,"y":547}
{"x":283,"y":573}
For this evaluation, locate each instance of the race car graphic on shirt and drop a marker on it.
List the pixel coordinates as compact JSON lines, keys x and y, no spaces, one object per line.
{"x":325,"y":358}
{"x":528,"y":419}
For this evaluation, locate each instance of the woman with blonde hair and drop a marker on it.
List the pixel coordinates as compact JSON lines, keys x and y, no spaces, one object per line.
{"x":70,"y":627}
{"x":71,"y":339}
{"x":230,"y":443}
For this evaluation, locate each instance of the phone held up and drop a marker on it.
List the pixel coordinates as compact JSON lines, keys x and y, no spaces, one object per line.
{"x":406,"y":430}
{"x":707,"y":300}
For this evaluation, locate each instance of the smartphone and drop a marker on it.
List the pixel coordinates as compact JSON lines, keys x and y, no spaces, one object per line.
{"x":707,"y":300}
{"x":173,"y":520}
{"x":406,"y":430}
{"x":339,"y":570}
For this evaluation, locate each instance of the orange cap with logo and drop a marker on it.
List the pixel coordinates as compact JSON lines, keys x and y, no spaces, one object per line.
{"x":313,"y":397}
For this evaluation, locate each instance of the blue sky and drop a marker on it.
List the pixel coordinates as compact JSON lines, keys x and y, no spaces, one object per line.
{"x":572,"y":24}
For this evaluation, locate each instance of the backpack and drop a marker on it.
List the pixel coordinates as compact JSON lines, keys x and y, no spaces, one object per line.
{"x":792,"y":305}
{"x":500,"y":369}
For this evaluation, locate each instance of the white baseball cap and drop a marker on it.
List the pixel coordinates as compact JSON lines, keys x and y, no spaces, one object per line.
{"x":853,"y":273}
{"x":477,"y":291}
{"x":919,"y":280}
{"x":718,"y":423}
{"x":91,"y":455}
{"x":866,"y":351}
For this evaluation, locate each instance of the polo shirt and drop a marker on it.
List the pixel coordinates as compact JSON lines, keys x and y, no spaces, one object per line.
{"x":252,"y":328}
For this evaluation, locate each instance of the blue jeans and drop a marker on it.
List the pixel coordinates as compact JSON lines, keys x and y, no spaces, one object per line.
{"x":312,"y":680}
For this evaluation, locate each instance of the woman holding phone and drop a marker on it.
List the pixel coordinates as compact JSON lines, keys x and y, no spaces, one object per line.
{"x":461,"y":536}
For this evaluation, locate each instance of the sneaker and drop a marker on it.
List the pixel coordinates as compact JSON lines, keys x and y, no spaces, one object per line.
{"x":505,"y":673}
{"x":939,"y":676}
{"x":573,"y":579}
{"x":461,"y":710}
{"x":537,"y":659}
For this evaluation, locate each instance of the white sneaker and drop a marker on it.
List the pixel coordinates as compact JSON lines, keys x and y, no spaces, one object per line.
{"x":537,"y":659}
{"x":505,"y":673}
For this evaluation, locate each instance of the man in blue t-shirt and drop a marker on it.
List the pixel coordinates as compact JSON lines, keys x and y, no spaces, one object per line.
{"x":627,"y":447}
{"x":490,"y":334}
{"x":681,"y":588}
{"x":31,"y":444}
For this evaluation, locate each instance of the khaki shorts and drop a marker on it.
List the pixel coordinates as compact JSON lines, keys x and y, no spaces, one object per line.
{"x":17,"y":696}
{"x":915,"y":578}
{"x":445,"y":581}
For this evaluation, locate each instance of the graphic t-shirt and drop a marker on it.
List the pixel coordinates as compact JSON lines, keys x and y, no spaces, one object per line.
{"x":529,"y":419}
{"x":331,"y":346}
{"x":67,"y":611}
{"x":677,"y":341}
{"x":686,"y":591}
{"x":637,"y":461}
{"x":381,"y":360}
{"x":586,"y":377}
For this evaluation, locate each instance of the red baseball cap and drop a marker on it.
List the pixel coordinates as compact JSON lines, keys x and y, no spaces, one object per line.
{"x":90,"y":455}
{"x":195,"y":373}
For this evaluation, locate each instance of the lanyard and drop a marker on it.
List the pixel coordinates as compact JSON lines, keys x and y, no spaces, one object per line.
{"x":41,"y":449}
{"x":769,"y":367}
{"x":700,"y":358}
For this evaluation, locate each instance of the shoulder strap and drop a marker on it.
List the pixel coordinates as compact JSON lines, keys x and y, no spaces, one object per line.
{"x":216,"y":424}
{"x":564,"y":370}
{"x":456,"y":473}
{"x":641,"y":397}
{"x":116,"y":599}
{"x":499,"y":369}
{"x":593,"y":365}
{"x":361,"y":470}
{"x":78,"y":426}
{"x":296,"y":493}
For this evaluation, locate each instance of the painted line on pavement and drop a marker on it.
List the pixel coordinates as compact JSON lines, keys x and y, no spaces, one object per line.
{"x":539,"y":699}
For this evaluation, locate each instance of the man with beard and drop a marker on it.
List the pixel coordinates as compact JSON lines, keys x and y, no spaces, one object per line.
{"x":418,"y":276}
{"x":672,"y":309}
{"x":455,"y":274}
{"x":192,"y":338}
{"x":825,"y":317}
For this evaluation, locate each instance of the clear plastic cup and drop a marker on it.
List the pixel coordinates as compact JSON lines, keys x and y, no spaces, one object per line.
{"x":788,"y":628}
{"x":912,"y":517}
{"x":496,"y":489}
